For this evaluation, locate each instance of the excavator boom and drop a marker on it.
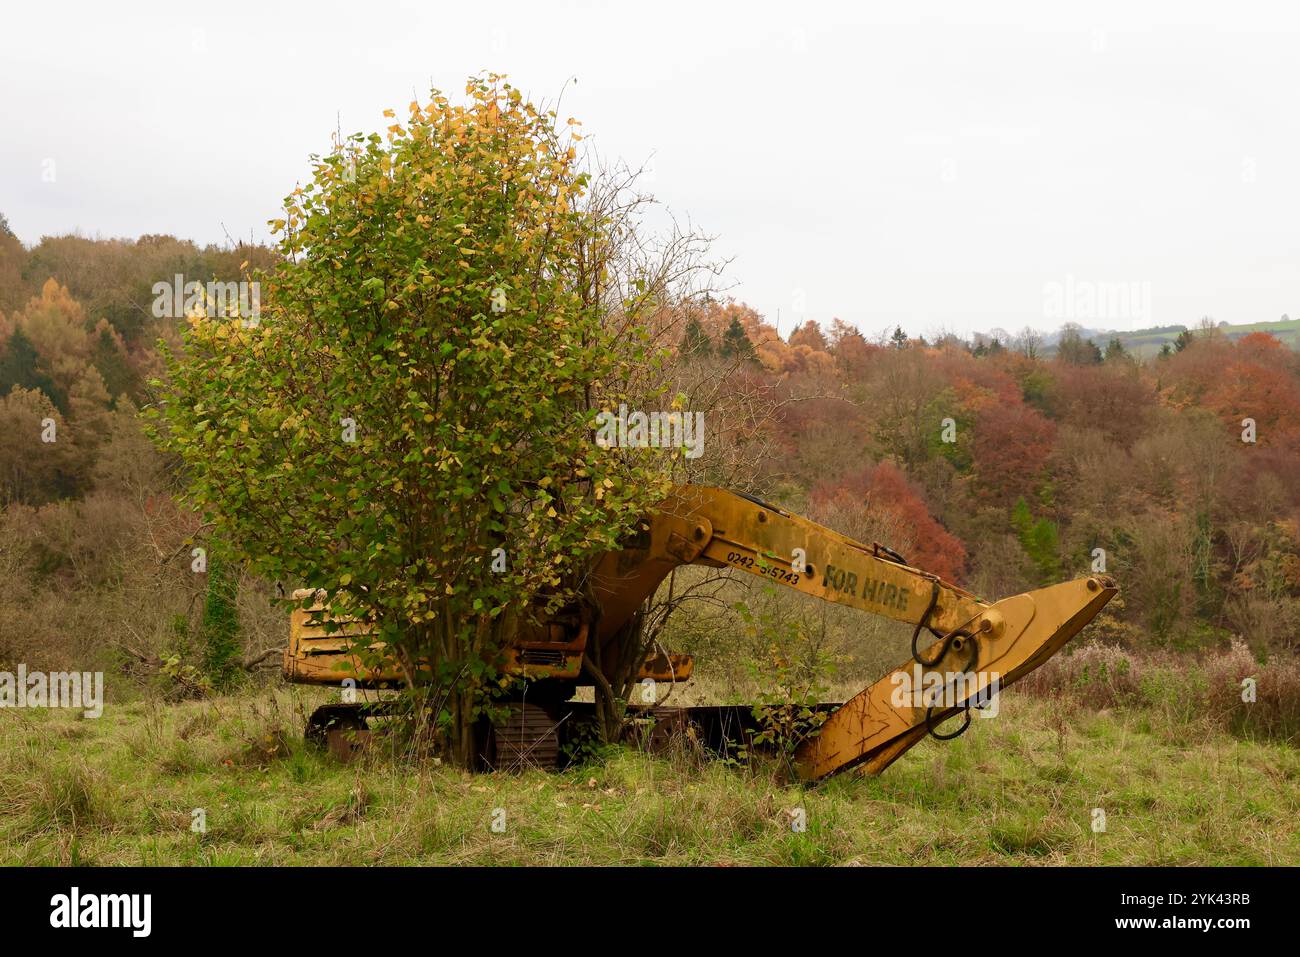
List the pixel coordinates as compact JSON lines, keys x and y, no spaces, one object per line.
{"x":973,"y":648}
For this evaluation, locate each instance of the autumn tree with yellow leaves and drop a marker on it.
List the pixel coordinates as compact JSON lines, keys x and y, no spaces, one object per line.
{"x":409,"y":424}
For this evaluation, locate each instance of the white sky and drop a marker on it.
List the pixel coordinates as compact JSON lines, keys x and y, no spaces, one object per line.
{"x":934,"y":165}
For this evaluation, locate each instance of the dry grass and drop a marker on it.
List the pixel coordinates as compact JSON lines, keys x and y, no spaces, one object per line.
{"x":1186,"y":690}
{"x":1017,"y":789}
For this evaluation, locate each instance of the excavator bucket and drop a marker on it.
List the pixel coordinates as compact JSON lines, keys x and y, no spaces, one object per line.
{"x":1011,"y":638}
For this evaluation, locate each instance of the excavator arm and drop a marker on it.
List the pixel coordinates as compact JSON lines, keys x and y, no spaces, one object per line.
{"x":963,"y":646}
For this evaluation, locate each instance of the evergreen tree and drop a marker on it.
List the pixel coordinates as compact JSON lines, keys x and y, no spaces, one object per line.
{"x":696,"y":341}
{"x":19,"y":367}
{"x":735,"y":342}
{"x":112,"y":364}
{"x":1040,"y":541}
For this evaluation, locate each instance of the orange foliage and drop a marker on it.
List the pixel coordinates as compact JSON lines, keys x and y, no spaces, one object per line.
{"x":976,"y":381}
{"x":1255,"y":377}
{"x":1113,"y":399}
{"x":884,"y":488}
{"x":850,"y":348}
{"x":810,"y":334}
{"x":1012,"y":443}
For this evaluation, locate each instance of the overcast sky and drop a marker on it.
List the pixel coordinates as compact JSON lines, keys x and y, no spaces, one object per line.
{"x":939,"y":166}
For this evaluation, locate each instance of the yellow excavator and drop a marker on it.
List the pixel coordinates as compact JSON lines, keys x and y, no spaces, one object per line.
{"x":964,"y":649}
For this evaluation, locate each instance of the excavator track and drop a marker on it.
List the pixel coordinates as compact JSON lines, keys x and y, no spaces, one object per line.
{"x":528,"y":737}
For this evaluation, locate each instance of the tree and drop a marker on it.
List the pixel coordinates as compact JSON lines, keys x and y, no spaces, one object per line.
{"x":1074,"y":349}
{"x":1029,"y":342}
{"x":1115,"y":350}
{"x":735,"y":342}
{"x":37,"y":451}
{"x":417,"y":405}
{"x":1010,"y":449}
{"x":1256,"y":380}
{"x":19,"y":368}
{"x":1185,"y":339}
{"x":899,"y":339}
{"x":108,"y":353}
{"x":1112,"y":399}
{"x":695,"y":341}
{"x":907,"y":402}
{"x":809,"y":334}
{"x":849,"y":347}
{"x":13,"y":259}
{"x":1040,"y":541}
{"x":55,"y":323}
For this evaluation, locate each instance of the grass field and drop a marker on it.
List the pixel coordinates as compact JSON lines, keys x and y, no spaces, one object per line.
{"x":1146,"y":343}
{"x":1021,"y":788}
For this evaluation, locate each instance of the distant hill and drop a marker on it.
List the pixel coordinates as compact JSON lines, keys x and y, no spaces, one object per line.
{"x":1146,"y":343}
